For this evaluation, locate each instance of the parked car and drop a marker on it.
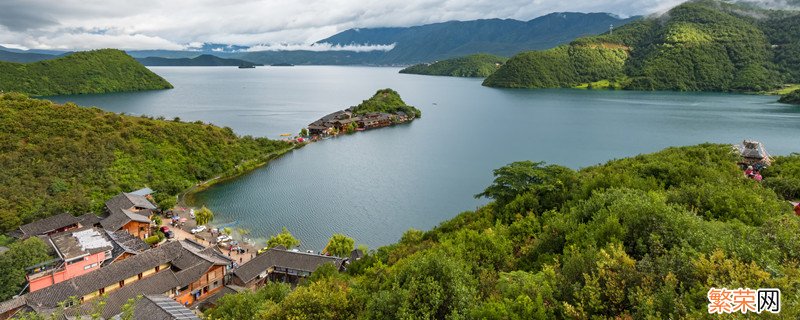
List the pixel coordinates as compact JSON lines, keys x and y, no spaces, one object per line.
{"x":239,"y":249}
{"x":191,"y":213}
{"x":198,"y":229}
{"x":169,"y":234}
{"x":262,"y":250}
{"x":223,"y":238}
{"x":164,"y":229}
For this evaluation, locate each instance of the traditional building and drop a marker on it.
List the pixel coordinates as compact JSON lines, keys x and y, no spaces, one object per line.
{"x":278,"y":264}
{"x":47,"y":226}
{"x":78,"y":252}
{"x":184,"y":270}
{"x":130,"y":212}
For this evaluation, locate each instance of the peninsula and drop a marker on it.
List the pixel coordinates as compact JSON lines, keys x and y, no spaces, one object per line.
{"x":791,"y":98}
{"x":385,"y":108}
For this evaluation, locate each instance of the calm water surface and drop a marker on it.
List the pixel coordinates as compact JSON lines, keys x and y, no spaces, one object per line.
{"x":375,"y":185}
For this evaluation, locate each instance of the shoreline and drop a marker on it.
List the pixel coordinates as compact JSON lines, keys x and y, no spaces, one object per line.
{"x":186,"y":197}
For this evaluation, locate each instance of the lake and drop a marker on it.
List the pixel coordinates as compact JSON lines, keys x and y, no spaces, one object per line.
{"x":374,"y":185}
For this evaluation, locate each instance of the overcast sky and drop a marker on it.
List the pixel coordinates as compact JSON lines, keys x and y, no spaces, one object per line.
{"x":172,"y":24}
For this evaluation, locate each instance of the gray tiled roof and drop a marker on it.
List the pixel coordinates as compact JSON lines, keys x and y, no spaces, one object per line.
{"x":159,"y":283}
{"x":119,"y":210}
{"x":89,"y":219}
{"x":48,"y":224}
{"x":125,"y":242}
{"x":229,"y":289}
{"x":286,"y":259}
{"x":159,"y":307}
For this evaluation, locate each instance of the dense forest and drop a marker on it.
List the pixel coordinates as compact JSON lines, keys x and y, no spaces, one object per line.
{"x":476,"y":65}
{"x":792,"y":97}
{"x":97,"y":71}
{"x":388,"y":101}
{"x":638,"y":238}
{"x":703,"y":45}
{"x":64,"y":158}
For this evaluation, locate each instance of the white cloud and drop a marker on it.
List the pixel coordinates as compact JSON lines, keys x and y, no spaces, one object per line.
{"x":322,"y":47}
{"x":158,"y":24}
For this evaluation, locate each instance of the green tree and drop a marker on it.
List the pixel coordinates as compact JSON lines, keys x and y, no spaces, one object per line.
{"x":203,"y":216}
{"x":21,"y":255}
{"x":248,"y":304}
{"x":304,"y":132}
{"x":340,"y":245}
{"x":284,"y":238}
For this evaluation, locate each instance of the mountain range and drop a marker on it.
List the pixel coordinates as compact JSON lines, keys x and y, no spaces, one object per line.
{"x":409,"y":45}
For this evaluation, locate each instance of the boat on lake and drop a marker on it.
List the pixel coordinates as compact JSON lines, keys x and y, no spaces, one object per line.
{"x":247,"y":66}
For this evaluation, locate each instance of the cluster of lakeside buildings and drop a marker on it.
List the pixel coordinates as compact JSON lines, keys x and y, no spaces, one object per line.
{"x":340,"y":121}
{"x":105,"y":258}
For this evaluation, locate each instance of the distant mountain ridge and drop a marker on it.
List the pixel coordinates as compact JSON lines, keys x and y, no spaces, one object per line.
{"x":412,"y":45}
{"x":503,"y":37}
{"x":205,"y":60}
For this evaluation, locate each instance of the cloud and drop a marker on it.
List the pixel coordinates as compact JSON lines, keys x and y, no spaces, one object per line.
{"x":158,"y":24}
{"x":322,"y":47}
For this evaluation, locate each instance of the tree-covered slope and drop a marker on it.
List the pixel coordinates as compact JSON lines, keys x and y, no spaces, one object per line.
{"x":696,"y":46}
{"x":387,"y":101}
{"x":792,"y":97}
{"x":57,"y":158}
{"x":477,"y":65}
{"x":638,"y":238}
{"x":97,"y":71}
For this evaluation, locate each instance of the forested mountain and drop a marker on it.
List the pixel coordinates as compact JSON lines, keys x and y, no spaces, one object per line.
{"x":507,"y":37}
{"x":24,"y":57}
{"x":702,"y":45}
{"x":201,"y":60}
{"x":638,"y":238}
{"x":97,"y":71}
{"x":65,"y":158}
{"x":476,"y":65}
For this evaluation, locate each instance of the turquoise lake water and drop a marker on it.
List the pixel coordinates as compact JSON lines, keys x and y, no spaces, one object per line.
{"x":375,"y":185}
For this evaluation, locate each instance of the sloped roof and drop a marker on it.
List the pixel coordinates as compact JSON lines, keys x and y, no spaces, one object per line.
{"x":160,"y":307}
{"x":48,"y":224}
{"x":125,"y":242}
{"x":142,"y":192}
{"x":229,"y":289}
{"x":156,"y":284}
{"x":89,"y":219}
{"x":276,"y":257}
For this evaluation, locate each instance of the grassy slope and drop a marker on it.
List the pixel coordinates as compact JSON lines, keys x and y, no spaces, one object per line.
{"x":56,"y":158}
{"x":97,"y":71}
{"x":697,"y":46}
{"x":477,"y":65}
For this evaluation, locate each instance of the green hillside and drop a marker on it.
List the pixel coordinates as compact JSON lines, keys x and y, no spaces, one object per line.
{"x":792,"y":97}
{"x":56,"y":158}
{"x":638,"y":238}
{"x":97,"y":71}
{"x":476,"y":65}
{"x":388,"y":101}
{"x":697,"y":46}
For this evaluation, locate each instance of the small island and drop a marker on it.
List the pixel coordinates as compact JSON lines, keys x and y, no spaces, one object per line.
{"x":476,"y":65}
{"x":384,"y":109}
{"x":791,"y":98}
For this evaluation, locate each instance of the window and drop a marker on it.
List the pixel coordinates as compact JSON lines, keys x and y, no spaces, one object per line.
{"x":140,"y":276}
{"x":122,"y":283}
{"x":102,"y":290}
